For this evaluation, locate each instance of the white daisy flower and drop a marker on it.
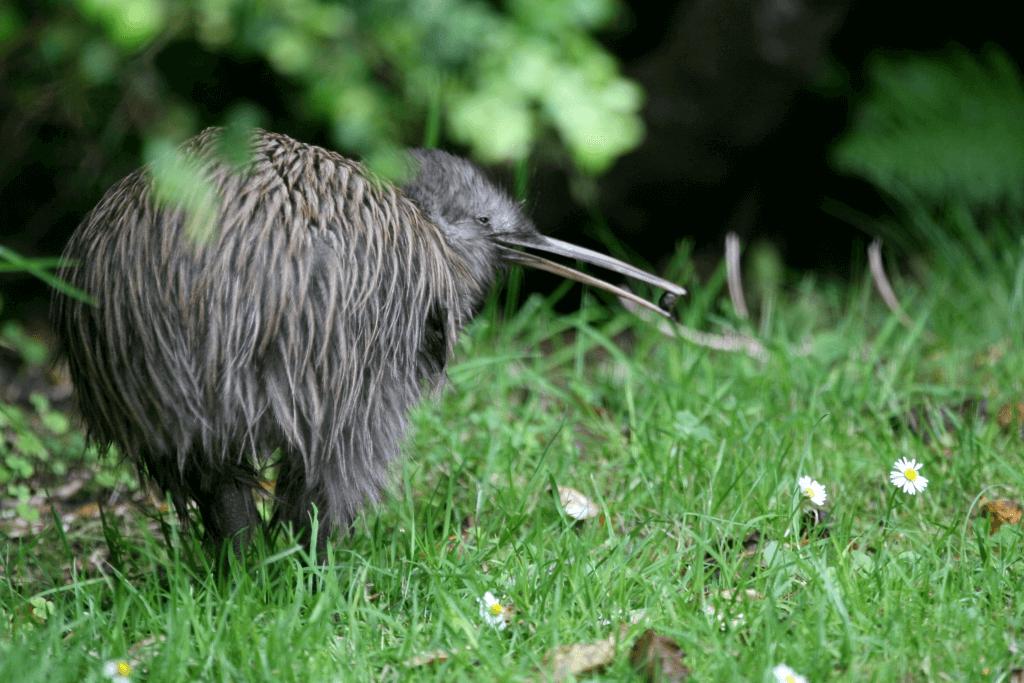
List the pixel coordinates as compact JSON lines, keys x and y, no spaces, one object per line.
{"x":812,"y":491}
{"x":784,"y":674}
{"x":118,"y":671}
{"x":494,"y":612}
{"x":906,"y":475}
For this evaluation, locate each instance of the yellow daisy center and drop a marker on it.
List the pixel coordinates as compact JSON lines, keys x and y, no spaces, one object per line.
{"x":910,"y":474}
{"x":809,"y":492}
{"x":124,"y":669}
{"x":790,"y":678}
{"x":495,"y":609}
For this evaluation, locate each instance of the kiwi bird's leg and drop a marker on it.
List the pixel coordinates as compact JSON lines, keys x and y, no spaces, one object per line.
{"x":294,"y":503}
{"x":227,"y":507}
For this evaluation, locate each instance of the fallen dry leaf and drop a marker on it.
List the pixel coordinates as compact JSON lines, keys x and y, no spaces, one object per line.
{"x":1000,"y":512}
{"x":581,"y":658}
{"x":576,"y":505}
{"x":658,"y":658}
{"x":87,"y":510}
{"x":1011,"y":415}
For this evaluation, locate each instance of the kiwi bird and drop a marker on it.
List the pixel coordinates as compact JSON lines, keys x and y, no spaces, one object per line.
{"x":310,"y":320}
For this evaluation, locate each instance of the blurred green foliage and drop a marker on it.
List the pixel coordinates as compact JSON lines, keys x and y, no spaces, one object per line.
{"x":12,"y":262}
{"x":14,"y":338}
{"x":500,"y":79}
{"x":941,"y":129}
{"x":38,"y":445}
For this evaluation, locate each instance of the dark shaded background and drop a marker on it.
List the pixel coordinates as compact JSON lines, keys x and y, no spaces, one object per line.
{"x":744,"y":101}
{"x":755,"y":160}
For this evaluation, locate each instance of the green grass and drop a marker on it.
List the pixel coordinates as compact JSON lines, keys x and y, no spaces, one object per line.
{"x":686,"y":451}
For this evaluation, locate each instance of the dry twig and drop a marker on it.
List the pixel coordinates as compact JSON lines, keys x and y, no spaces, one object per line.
{"x":883,"y":285}
{"x":719,"y":342}
{"x":734,"y":275}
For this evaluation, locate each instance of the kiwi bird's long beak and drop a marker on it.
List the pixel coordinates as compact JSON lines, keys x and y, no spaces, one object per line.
{"x":553,"y":246}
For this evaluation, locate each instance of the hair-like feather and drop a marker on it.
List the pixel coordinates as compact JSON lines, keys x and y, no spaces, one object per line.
{"x":305,"y":316}
{"x":309,"y":321}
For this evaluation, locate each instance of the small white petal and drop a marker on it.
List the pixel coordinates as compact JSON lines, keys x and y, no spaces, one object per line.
{"x":575,"y":504}
{"x":112,"y":670}
{"x":784,"y":674}
{"x":497,"y":618}
{"x":812,"y":490}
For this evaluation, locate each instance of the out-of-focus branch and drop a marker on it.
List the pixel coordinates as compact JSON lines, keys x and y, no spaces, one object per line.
{"x":734,"y":275}
{"x":883,"y":285}
{"x":732,"y":343}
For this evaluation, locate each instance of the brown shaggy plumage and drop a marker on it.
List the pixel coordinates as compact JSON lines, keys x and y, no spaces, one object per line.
{"x":308,"y":321}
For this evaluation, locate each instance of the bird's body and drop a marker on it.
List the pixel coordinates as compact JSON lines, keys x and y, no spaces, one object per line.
{"x":307,"y":323}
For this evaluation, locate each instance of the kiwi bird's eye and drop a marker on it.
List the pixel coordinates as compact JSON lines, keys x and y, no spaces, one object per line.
{"x":483,"y":220}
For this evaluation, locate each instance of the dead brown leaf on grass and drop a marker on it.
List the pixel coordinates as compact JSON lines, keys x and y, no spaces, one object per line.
{"x":658,"y":658}
{"x":1010,"y":417}
{"x":582,"y":658}
{"x":1000,"y":512}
